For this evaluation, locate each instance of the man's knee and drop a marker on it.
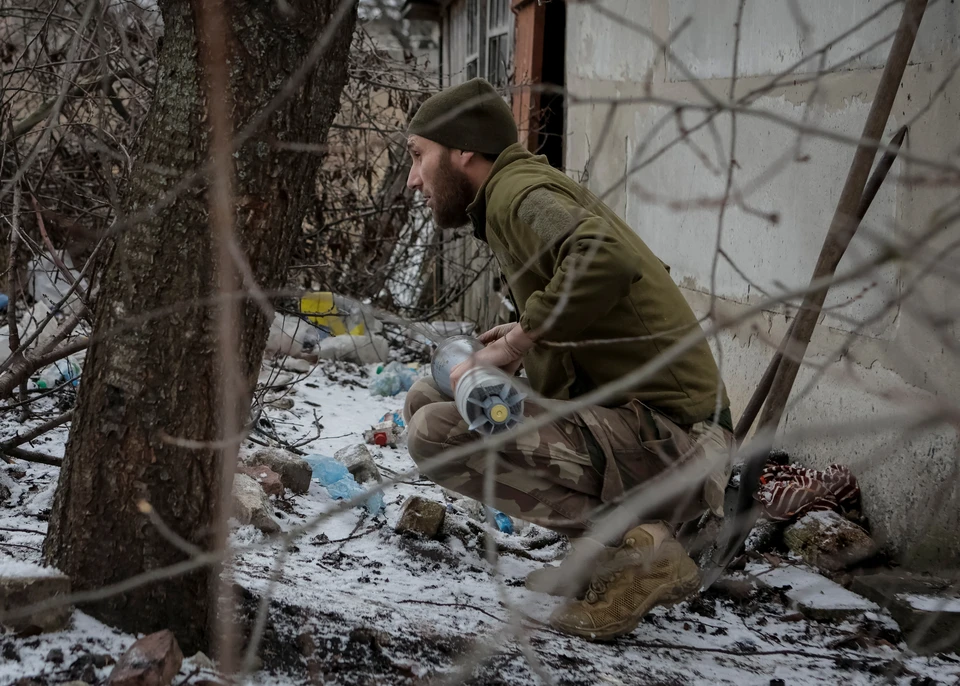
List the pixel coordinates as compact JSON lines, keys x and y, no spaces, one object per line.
{"x":431,"y":428}
{"x":423,"y":392}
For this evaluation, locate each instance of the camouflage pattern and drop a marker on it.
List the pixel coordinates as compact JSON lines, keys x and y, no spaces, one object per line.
{"x":567,"y":475}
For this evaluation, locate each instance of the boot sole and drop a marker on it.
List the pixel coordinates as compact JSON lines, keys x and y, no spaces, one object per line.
{"x":666,"y":595}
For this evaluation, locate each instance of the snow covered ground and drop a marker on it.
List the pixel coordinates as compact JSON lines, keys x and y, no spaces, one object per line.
{"x":357,"y":603}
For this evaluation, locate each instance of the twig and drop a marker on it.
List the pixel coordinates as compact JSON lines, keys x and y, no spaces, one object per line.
{"x":31,"y":456}
{"x":22,"y":531}
{"x":37,"y":431}
{"x":457,"y":605}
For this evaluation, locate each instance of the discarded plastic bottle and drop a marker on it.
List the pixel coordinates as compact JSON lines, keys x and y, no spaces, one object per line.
{"x":59,"y":373}
{"x":393,"y":379}
{"x":339,"y":482}
{"x":503,"y":522}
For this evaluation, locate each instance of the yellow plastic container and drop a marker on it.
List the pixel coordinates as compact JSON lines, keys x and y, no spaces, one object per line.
{"x":323,"y":309}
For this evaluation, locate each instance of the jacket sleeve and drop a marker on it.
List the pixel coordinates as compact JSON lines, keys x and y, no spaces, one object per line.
{"x":587,"y":267}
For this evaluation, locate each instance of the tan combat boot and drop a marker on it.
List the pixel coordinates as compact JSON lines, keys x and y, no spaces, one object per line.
{"x":571,"y":577}
{"x":639,"y":576}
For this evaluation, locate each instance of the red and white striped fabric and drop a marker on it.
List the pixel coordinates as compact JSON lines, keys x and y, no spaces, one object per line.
{"x":789,"y":491}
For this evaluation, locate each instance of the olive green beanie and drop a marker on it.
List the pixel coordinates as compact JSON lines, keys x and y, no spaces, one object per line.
{"x":471,"y":117}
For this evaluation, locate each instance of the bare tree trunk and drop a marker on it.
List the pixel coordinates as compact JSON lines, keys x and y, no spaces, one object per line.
{"x":162,"y":377}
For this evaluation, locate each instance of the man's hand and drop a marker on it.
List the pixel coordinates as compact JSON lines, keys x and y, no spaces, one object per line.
{"x":505,"y":352}
{"x":496,"y":333}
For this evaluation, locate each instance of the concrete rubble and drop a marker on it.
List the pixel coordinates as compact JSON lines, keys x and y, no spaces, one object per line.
{"x":251,"y":505}
{"x":23,"y":584}
{"x":828,"y":541}
{"x":359,"y":461}
{"x":926,"y":608}
{"x":811,"y":593}
{"x":154,"y":660}
{"x":294,"y":471}
{"x":421,"y":516}
{"x":268,"y":479}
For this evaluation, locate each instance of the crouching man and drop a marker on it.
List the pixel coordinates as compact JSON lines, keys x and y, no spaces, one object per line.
{"x":595,"y":304}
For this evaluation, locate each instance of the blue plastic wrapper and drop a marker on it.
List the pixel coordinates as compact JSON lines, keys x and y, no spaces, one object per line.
{"x":340,"y":483}
{"x":393,"y":379}
{"x":394,"y":417}
{"x":503,"y":522}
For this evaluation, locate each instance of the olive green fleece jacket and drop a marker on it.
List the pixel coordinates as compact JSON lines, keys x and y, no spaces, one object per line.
{"x":579,"y":274}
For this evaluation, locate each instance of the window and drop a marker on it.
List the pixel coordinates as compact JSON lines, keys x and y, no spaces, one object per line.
{"x":499,"y":19}
{"x":472,"y":57}
{"x":481,"y":41}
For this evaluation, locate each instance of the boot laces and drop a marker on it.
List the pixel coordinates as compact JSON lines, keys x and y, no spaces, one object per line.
{"x":610,"y":571}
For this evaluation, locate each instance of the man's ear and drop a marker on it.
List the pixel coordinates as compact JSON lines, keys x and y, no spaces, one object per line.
{"x":464,"y":158}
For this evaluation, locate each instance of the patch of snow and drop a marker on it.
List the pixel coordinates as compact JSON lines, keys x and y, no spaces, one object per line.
{"x":433,"y":603}
{"x":18,"y":569}
{"x":810,"y":589}
{"x":931,"y":603}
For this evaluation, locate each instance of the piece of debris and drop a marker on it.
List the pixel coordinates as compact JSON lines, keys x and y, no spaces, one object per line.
{"x":154,"y":660}
{"x":386,"y":432}
{"x":294,"y":364}
{"x":294,"y":471}
{"x":23,"y":584}
{"x":268,"y":479}
{"x":202,"y":661}
{"x":813,"y":594}
{"x":284,"y":402}
{"x":789,"y":491}
{"x":828,"y":540}
{"x":393,"y":379}
{"x":251,"y":504}
{"x":359,"y":462}
{"x":421,"y":516}
{"x":341,"y":484}
{"x":764,"y":537}
{"x":926,"y":608}
{"x":359,"y":349}
{"x":293,"y":336}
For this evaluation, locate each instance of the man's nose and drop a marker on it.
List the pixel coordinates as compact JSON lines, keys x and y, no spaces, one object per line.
{"x":413,"y":180}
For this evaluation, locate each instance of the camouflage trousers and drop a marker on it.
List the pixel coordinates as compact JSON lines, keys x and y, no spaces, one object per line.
{"x":571,"y":472}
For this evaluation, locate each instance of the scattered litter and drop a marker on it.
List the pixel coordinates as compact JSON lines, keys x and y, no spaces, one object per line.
{"x":61,"y":372}
{"x":396,"y":417}
{"x":789,"y":491}
{"x":387,"y":432}
{"x":368,"y":349}
{"x":392,"y":379}
{"x":47,"y":284}
{"x":293,"y":336}
{"x":340,"y":483}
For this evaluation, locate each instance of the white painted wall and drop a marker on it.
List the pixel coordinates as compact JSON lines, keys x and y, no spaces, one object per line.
{"x":874,"y":353}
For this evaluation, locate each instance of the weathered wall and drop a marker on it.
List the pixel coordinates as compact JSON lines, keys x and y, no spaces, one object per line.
{"x":878,"y":357}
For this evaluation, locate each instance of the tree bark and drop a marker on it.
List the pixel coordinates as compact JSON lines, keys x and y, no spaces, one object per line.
{"x":162,"y":376}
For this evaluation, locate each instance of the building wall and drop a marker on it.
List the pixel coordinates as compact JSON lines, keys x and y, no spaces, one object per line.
{"x":873,"y":356}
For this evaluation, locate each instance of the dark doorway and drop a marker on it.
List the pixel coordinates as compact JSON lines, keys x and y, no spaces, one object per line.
{"x":552,"y":128}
